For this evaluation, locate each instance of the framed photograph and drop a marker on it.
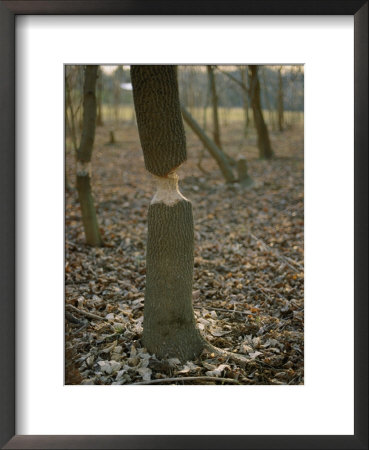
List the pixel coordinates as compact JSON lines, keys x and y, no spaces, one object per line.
{"x":274,"y":100}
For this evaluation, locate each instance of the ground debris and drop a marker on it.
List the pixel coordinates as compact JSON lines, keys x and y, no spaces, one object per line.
{"x":248,"y":288}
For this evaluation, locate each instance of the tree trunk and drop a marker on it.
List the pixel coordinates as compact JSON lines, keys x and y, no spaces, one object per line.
{"x":263,"y":142}
{"x":245,"y":99}
{"x":169,"y":323}
{"x":280,"y":100}
{"x":242,"y":170}
{"x":84,"y":153}
{"x":99,"y":119}
{"x":213,"y":149}
{"x":267,"y":101}
{"x":72,"y":124}
{"x":214,"y":101}
{"x":159,"y":120}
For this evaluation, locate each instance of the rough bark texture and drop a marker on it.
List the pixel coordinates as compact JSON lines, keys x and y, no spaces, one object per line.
{"x":280,"y":101}
{"x":265,"y":149}
{"x":169,"y":323}
{"x":160,"y":126}
{"x":72,"y":123}
{"x":214,"y":101}
{"x":89,"y":219}
{"x":213,"y":149}
{"x":89,"y":115}
{"x":84,"y":153}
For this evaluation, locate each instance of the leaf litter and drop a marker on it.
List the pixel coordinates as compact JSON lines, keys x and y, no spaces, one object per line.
{"x":248,"y":291}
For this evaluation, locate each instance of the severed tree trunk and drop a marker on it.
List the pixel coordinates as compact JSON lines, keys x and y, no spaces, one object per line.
{"x":263,"y":141}
{"x":280,"y":100}
{"x":159,"y":121}
{"x":84,"y":153}
{"x":169,"y":323}
{"x":214,"y":101}
{"x":213,"y":149}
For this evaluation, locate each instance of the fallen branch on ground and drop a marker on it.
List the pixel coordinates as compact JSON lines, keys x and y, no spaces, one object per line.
{"x":168,"y":380}
{"x":84,"y":313}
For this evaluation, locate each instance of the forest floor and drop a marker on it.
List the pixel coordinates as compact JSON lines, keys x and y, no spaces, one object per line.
{"x":248,"y":290}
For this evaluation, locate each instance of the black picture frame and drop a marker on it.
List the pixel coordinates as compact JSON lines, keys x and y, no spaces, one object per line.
{"x":8,"y":12}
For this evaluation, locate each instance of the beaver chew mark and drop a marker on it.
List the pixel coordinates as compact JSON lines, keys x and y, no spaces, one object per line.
{"x":167,"y":190}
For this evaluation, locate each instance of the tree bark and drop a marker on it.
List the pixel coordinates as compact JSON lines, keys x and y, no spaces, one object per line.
{"x":213,"y":149}
{"x":263,"y":142}
{"x":84,"y":153}
{"x":69,"y":105}
{"x":214,"y":102}
{"x":169,"y":322}
{"x":280,"y":100}
{"x":159,"y":121}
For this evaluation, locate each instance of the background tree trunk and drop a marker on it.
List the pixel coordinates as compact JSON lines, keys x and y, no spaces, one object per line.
{"x":99,"y":119}
{"x":84,"y":153}
{"x":214,"y":102}
{"x":245,"y":100}
{"x":265,"y":149}
{"x":213,"y":149}
{"x":268,"y":105}
{"x":169,"y":323}
{"x":280,"y":100}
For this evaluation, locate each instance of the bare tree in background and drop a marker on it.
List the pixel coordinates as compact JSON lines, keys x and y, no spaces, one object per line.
{"x":214,"y":102}
{"x":217,"y":153}
{"x":99,"y":118}
{"x":84,"y":154}
{"x":263,"y":141}
{"x":265,"y":149}
{"x":245,"y":99}
{"x":280,"y":100}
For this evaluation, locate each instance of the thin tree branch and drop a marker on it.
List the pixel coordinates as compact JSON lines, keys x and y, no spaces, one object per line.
{"x":231,"y":77}
{"x":227,"y":310}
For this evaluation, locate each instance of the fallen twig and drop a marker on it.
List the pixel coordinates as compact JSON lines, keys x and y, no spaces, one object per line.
{"x":84,"y":313}
{"x":203,"y":378}
{"x":246,"y":313}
